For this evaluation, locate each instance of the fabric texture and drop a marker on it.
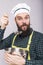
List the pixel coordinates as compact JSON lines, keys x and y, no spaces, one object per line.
{"x":36,"y":47}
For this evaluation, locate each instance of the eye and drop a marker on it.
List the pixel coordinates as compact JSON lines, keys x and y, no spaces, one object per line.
{"x":19,"y":18}
{"x":27,"y":17}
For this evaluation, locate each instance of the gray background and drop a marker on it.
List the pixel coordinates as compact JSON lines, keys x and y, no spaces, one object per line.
{"x":36,"y":18}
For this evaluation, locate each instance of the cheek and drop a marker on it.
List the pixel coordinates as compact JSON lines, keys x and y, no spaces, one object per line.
{"x":19,"y":23}
{"x":28,"y":22}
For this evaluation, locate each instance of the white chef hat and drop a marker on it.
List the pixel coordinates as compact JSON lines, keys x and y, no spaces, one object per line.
{"x":20,"y":8}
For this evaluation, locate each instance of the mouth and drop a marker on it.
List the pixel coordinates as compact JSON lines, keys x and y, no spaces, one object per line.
{"x":24,"y":28}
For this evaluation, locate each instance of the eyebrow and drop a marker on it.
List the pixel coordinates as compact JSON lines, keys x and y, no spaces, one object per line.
{"x":27,"y":15}
{"x":18,"y":16}
{"x":6,"y":16}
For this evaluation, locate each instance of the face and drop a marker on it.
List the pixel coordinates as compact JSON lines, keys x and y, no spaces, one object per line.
{"x":23,"y":21}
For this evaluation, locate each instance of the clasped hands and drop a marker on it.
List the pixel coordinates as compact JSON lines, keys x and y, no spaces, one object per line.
{"x":14,"y":59}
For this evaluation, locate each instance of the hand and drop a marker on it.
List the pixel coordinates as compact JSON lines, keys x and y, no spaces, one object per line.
{"x":4,"y":21}
{"x":14,"y":59}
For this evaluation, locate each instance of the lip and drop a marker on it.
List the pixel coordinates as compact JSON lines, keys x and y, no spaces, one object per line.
{"x":24,"y":26}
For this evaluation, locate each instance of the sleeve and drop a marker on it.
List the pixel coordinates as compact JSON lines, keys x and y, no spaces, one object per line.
{"x":5,"y":43}
{"x":39,"y":53}
{"x":1,"y":33}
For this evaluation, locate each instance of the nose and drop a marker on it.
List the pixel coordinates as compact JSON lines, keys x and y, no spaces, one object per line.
{"x":24,"y":21}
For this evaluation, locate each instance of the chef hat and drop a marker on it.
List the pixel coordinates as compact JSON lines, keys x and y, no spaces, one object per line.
{"x":20,"y":8}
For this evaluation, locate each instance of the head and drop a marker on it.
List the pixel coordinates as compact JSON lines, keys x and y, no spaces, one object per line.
{"x":22,"y":16}
{"x":23,"y":21}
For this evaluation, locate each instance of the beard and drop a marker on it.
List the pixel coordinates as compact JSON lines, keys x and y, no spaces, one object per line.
{"x":23,"y":25}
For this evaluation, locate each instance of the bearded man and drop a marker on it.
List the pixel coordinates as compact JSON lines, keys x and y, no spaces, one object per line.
{"x":27,"y":44}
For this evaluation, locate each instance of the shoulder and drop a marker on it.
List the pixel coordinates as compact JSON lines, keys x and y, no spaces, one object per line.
{"x":38,"y":34}
{"x":12,"y":34}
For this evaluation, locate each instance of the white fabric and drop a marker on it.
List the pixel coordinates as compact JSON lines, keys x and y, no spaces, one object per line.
{"x":20,"y":8}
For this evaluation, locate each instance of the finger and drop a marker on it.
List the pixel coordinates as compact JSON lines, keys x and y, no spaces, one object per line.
{"x":3,"y":18}
{"x":12,"y":59}
{"x":8,"y":60}
{"x":4,"y":21}
{"x":5,"y":15}
{"x":7,"y":55}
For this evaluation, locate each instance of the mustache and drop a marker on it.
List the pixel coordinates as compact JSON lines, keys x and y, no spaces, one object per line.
{"x":24,"y":24}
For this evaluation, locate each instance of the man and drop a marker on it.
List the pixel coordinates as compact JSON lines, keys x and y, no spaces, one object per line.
{"x":27,"y":39}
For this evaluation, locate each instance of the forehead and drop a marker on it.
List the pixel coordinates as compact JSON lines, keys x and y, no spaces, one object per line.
{"x":22,"y":15}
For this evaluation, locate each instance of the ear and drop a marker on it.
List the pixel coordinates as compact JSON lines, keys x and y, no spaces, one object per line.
{"x":15,"y":19}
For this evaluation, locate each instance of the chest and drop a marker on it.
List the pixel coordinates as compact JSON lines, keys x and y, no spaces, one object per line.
{"x":21,"y":42}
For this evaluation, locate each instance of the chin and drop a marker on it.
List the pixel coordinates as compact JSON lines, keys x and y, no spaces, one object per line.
{"x":25,"y":29}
